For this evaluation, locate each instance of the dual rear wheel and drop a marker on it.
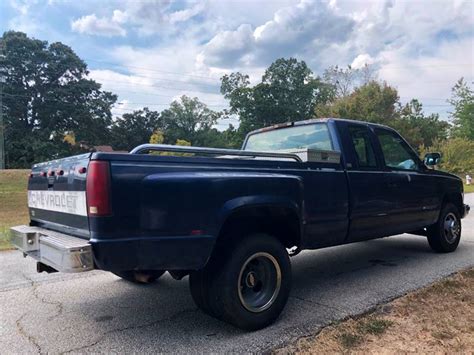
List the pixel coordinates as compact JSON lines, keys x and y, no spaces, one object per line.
{"x":247,"y":287}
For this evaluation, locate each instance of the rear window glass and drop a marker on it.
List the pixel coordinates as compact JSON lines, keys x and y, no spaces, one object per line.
{"x":315,"y":136}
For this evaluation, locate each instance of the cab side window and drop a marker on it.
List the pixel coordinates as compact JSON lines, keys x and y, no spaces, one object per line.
{"x":360,"y":137}
{"x":397,"y":154}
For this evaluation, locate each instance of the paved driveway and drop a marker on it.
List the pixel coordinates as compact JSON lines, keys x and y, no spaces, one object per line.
{"x":98,"y":312}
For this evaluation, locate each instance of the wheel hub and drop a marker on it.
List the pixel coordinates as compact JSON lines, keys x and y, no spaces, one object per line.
{"x":452,"y":228}
{"x":251,"y":280}
{"x":259,"y":282}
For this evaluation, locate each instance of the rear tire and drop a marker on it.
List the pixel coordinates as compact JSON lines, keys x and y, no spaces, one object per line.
{"x":249,"y":287}
{"x":140,"y":277}
{"x":445,"y":234}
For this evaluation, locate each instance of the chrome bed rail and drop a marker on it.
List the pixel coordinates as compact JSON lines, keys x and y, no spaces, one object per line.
{"x":212,"y":151}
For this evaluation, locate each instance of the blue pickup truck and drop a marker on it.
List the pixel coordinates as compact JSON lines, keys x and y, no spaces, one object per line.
{"x":231,"y":219}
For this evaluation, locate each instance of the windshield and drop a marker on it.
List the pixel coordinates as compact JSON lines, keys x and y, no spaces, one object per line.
{"x":314,"y":136}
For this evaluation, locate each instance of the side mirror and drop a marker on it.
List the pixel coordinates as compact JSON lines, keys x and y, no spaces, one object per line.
{"x":432,"y":159}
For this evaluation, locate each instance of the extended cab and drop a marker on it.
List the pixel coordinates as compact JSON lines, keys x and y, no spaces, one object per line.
{"x":230,"y":219}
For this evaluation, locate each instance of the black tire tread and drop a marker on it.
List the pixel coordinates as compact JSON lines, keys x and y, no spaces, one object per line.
{"x":436,"y":238}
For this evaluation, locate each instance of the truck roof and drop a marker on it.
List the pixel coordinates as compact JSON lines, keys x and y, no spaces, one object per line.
{"x":314,"y":120}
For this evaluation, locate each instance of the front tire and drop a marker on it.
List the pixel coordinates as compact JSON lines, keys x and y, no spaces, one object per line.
{"x":140,"y":277}
{"x":249,"y":287}
{"x":445,"y":234}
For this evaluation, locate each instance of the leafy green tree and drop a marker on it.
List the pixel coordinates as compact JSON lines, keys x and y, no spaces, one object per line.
{"x":419,"y":129}
{"x":188,"y":119}
{"x":379,"y":103}
{"x":157,"y":137}
{"x":373,"y":102}
{"x":47,"y":94}
{"x":133,"y":129}
{"x":288,"y":92}
{"x":463,"y":116}
{"x":457,"y":155}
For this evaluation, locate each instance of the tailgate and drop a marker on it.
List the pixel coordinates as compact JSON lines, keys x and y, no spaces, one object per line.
{"x":57,"y":195}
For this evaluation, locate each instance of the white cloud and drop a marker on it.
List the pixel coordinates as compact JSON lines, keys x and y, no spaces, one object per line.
{"x":301,"y":31}
{"x":147,"y":17}
{"x":429,"y":77}
{"x":362,"y":60}
{"x":21,"y":6}
{"x":93,"y":25}
{"x":186,"y":14}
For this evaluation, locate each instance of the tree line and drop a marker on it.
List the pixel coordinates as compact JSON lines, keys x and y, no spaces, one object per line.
{"x":52,"y":108}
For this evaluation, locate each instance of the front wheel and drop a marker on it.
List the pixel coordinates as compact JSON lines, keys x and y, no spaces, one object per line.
{"x":140,"y":277}
{"x":250,"y":287}
{"x":445,"y":234}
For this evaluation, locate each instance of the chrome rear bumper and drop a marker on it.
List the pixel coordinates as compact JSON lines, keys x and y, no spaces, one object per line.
{"x":60,"y":251}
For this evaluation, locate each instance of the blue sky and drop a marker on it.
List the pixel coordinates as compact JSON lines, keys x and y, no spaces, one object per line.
{"x":151,"y":52}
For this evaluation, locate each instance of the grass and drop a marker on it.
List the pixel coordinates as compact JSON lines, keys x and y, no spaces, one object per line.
{"x":374,"y":326}
{"x":350,"y":340}
{"x":363,"y":328}
{"x":439,"y":318}
{"x":13,"y":203}
{"x":468,"y":188}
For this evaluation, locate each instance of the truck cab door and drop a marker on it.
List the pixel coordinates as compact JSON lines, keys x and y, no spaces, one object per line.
{"x":370,"y":202}
{"x":413,"y":193}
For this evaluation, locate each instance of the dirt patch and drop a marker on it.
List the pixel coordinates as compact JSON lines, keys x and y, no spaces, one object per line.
{"x":436,"y":319}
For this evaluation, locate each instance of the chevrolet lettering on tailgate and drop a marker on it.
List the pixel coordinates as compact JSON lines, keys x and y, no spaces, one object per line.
{"x":73,"y":202}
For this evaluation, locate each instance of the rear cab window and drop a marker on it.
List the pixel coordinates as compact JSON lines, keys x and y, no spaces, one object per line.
{"x":364,"y":152}
{"x":312,"y":136}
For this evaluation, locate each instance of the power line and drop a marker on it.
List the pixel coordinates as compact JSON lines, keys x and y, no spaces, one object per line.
{"x":71,"y":103}
{"x":150,"y":104}
{"x":150,"y":70}
{"x":183,"y":74}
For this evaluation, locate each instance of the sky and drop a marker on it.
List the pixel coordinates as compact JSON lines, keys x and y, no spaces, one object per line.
{"x":150,"y":52}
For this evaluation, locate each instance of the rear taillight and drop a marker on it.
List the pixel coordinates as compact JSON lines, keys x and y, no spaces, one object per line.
{"x":98,"y":188}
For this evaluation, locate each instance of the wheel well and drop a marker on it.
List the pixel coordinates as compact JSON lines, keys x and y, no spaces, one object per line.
{"x":455,"y":199}
{"x":280,"y":222}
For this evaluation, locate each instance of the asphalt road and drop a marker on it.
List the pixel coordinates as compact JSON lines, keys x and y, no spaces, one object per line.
{"x":98,"y":312}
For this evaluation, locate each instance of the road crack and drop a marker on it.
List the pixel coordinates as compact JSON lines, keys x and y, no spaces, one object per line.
{"x":34,"y":291}
{"x":59,"y":306}
{"x":22,"y":331}
{"x":317,"y":303}
{"x":119,"y":330}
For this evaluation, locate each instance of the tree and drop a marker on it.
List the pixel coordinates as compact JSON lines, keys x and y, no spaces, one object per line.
{"x":288,"y":92}
{"x":157,"y":137}
{"x":457,"y":155}
{"x":373,"y":102}
{"x":379,"y":103}
{"x":133,"y":129}
{"x":463,"y":116}
{"x":188,"y":119}
{"x":47,"y":94}
{"x":345,"y":80}
{"x":419,"y":129}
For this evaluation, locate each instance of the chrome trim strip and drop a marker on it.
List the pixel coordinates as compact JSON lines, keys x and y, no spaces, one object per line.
{"x":213,"y":151}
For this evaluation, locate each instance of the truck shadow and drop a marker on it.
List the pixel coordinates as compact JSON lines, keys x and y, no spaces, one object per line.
{"x":328,"y":284}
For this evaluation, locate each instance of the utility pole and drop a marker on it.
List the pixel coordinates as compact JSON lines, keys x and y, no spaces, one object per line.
{"x":2,"y":124}
{"x":2,"y":127}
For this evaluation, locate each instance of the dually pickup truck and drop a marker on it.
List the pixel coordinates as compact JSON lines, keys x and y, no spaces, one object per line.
{"x":230,"y":219}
